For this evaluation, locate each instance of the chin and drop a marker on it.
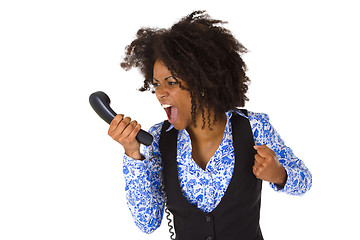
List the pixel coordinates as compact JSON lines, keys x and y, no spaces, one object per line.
{"x":178,"y":127}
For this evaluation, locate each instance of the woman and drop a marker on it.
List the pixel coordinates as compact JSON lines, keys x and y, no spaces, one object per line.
{"x":207,"y":162}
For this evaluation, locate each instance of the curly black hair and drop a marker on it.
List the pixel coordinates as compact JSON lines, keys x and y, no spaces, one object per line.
{"x":201,"y":52}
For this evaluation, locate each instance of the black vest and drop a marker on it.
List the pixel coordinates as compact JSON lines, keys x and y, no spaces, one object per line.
{"x":237,"y":214}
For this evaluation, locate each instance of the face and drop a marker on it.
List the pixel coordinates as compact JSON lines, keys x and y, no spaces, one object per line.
{"x":175,"y":101}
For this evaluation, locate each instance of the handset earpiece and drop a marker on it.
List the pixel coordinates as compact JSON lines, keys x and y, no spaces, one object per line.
{"x":100,"y":102}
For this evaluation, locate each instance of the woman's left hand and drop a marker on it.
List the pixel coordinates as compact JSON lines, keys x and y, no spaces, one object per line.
{"x":267,"y":167}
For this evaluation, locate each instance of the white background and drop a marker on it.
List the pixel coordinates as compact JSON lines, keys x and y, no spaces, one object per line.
{"x":61,"y":175}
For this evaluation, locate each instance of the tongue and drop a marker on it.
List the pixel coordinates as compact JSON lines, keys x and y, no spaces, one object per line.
{"x":172,"y":114}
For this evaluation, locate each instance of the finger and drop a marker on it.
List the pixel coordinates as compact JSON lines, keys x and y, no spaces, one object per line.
{"x":120,"y":128}
{"x":259,"y":158}
{"x":256,"y":165}
{"x":259,"y":146}
{"x":115,"y":122}
{"x":260,"y":149}
{"x":135,"y":131}
{"x":128,"y":130}
{"x":264,"y":151}
{"x":259,"y":164}
{"x":123,"y":124}
{"x":260,"y":161}
{"x":255,"y":172}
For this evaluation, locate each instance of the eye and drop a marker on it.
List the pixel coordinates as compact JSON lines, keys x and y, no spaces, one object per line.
{"x":172,"y":83}
{"x":155,"y":84}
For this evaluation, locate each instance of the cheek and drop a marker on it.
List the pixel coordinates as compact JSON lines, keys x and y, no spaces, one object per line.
{"x":187,"y":108}
{"x":186,"y":99}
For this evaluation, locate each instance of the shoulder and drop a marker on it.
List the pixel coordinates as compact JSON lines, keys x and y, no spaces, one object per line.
{"x":259,"y":121}
{"x":260,"y":125}
{"x":257,"y":116}
{"x":256,"y":119}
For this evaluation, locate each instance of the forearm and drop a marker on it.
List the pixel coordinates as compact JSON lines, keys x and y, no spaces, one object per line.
{"x":143,"y":192}
{"x":299,"y":178}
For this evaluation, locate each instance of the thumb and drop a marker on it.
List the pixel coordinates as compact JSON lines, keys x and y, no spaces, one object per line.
{"x":257,"y":147}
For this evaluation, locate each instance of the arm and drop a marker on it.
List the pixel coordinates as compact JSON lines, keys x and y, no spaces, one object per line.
{"x":299,"y":178}
{"x":143,"y":186}
{"x":142,"y":173}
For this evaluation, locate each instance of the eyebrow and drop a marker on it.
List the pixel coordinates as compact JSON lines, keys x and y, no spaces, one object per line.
{"x":165,"y":79}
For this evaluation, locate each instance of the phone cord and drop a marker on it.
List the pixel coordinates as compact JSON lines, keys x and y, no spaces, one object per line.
{"x":169,"y":223}
{"x":168,"y":217}
{"x":168,"y":214}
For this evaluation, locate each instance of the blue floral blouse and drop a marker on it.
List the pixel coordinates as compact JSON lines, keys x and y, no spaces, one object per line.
{"x":202,"y":188}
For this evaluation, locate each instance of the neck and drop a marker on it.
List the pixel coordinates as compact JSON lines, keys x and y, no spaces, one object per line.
{"x":207,"y":133}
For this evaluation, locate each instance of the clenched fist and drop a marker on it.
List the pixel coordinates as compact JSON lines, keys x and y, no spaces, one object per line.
{"x":267,"y":167}
{"x":124,"y":131}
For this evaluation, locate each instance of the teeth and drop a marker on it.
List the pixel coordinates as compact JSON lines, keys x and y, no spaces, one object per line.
{"x":166,"y":105}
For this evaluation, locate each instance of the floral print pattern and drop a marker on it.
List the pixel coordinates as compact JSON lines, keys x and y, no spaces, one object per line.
{"x":204,"y":188}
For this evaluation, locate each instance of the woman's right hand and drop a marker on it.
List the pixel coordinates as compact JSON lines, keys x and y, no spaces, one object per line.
{"x":124,"y":131}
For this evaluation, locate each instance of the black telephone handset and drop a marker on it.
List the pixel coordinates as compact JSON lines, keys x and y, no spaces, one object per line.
{"x":100,"y":102}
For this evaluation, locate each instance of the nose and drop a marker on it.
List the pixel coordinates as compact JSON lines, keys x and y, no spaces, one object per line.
{"x":161,"y":92}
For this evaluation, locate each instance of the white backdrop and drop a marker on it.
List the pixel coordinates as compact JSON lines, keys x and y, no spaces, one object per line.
{"x":61,"y":175}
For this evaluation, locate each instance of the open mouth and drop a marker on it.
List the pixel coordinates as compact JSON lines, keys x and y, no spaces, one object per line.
{"x":171,"y":112}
